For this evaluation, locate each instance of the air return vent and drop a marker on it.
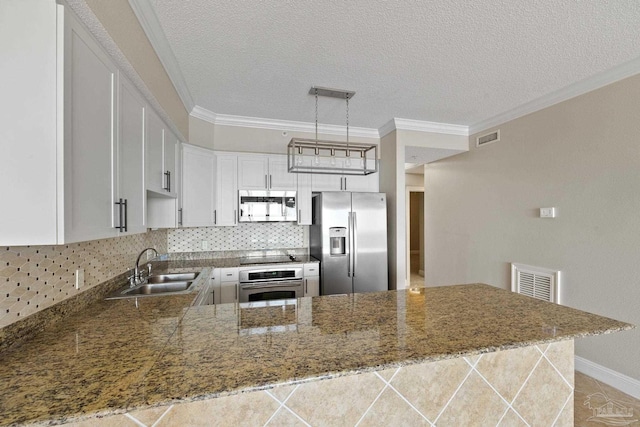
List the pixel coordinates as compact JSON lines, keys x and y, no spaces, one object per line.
{"x":536,"y":282}
{"x":488,"y":138}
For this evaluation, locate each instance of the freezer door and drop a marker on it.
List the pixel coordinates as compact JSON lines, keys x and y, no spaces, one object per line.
{"x":335,"y":208}
{"x":369,"y":231}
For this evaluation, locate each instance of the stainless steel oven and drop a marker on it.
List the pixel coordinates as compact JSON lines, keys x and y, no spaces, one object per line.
{"x":263,"y":284}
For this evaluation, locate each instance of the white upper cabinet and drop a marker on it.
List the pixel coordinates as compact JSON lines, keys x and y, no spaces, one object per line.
{"x":170,"y":145}
{"x":129,"y":192}
{"x":253,"y":172}
{"x":331,"y":182}
{"x":89,"y":133}
{"x":226,"y":189}
{"x":73,"y":134}
{"x":198,"y":186}
{"x":57,"y":161}
{"x":264,"y":172}
{"x":162,"y":146}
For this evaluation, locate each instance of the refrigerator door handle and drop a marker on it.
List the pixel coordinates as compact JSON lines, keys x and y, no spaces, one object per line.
{"x":354,"y":254}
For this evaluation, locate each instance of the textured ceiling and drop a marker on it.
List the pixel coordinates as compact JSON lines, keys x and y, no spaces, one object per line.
{"x":446,"y":61}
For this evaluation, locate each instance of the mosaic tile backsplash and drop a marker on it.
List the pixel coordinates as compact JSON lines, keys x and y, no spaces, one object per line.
{"x":277,"y":235}
{"x":33,"y":278}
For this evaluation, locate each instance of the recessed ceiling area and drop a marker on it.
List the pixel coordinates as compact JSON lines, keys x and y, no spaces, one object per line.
{"x":443,"y":61}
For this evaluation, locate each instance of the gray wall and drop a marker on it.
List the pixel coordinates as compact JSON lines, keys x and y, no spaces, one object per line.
{"x":581,"y":156}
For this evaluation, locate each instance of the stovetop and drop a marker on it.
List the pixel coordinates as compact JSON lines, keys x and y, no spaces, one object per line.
{"x":279,"y":259}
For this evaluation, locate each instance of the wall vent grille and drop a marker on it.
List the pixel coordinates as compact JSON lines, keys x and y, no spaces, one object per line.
{"x":488,"y":138}
{"x":536,"y":282}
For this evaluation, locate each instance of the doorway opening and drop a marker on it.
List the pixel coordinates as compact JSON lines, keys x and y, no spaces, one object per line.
{"x":415,"y":236}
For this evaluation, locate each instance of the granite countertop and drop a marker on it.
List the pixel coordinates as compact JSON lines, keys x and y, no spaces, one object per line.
{"x":116,"y":356}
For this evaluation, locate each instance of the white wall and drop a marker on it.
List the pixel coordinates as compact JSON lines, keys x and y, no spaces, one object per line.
{"x":581,"y":156}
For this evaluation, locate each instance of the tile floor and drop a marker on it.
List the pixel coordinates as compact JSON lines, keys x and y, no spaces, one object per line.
{"x":591,"y":394}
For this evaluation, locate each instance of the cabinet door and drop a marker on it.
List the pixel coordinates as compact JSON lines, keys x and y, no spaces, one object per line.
{"x":90,"y":82}
{"x":154,"y":160}
{"x":366,"y":183}
{"x":226,"y":211}
{"x":279,"y":176}
{"x":169,"y":148}
{"x":198,"y":171}
{"x":253,"y":172}
{"x":303,"y":199}
{"x":229,"y":292}
{"x":130,"y":161}
{"x":312,"y":286}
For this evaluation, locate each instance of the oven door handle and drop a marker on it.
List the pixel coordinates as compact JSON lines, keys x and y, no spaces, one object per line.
{"x":272,"y":285}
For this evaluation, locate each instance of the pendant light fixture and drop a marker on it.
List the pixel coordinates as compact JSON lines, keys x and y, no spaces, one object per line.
{"x":331,"y":157}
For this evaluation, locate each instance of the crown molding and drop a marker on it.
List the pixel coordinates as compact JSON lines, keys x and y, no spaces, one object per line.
{"x":151,"y":25}
{"x":283,"y":125}
{"x":589,"y":84}
{"x":422,"y":126}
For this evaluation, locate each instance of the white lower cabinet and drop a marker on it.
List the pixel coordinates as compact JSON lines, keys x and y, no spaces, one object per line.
{"x":311,"y":280}
{"x":229,"y":285}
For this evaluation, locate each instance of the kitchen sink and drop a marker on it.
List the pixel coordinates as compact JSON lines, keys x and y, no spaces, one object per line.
{"x":158,"y":285}
{"x":171,"y":277}
{"x":158,"y":288}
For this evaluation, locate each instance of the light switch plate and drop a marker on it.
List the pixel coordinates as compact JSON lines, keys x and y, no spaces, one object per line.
{"x":547,"y":212}
{"x":79,"y":278}
{"x":205,"y":245}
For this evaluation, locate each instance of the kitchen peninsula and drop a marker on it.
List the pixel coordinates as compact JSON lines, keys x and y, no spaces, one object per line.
{"x":412,"y":357}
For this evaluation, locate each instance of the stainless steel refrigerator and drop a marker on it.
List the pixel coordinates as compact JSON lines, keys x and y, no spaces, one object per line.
{"x":349,"y":236}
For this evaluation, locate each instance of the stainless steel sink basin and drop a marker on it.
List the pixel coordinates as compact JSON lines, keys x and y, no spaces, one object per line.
{"x":171,"y":277}
{"x":158,"y":285}
{"x":158,"y":288}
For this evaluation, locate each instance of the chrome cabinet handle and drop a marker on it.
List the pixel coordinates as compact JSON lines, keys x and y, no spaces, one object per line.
{"x":345,"y":183}
{"x":306,"y":286}
{"x":167,"y":175}
{"x":122,"y":215}
{"x":215,"y":217}
{"x":126,"y":211}
{"x":180,"y":216}
{"x":266,"y":183}
{"x":270,"y":181}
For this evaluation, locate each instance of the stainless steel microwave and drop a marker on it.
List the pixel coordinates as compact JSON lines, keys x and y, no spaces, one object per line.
{"x":267,"y":206}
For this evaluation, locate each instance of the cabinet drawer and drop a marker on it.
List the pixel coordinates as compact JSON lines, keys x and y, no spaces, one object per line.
{"x":312,"y":269}
{"x":229,"y":274}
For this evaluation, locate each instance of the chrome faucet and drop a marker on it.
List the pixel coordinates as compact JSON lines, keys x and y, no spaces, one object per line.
{"x":137,"y":275}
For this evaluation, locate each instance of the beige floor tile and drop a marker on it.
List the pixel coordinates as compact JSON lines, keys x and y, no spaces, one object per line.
{"x":339,"y":401}
{"x":391,"y":410}
{"x":429,"y":386}
{"x":590,"y":394}
{"x":475,"y":404}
